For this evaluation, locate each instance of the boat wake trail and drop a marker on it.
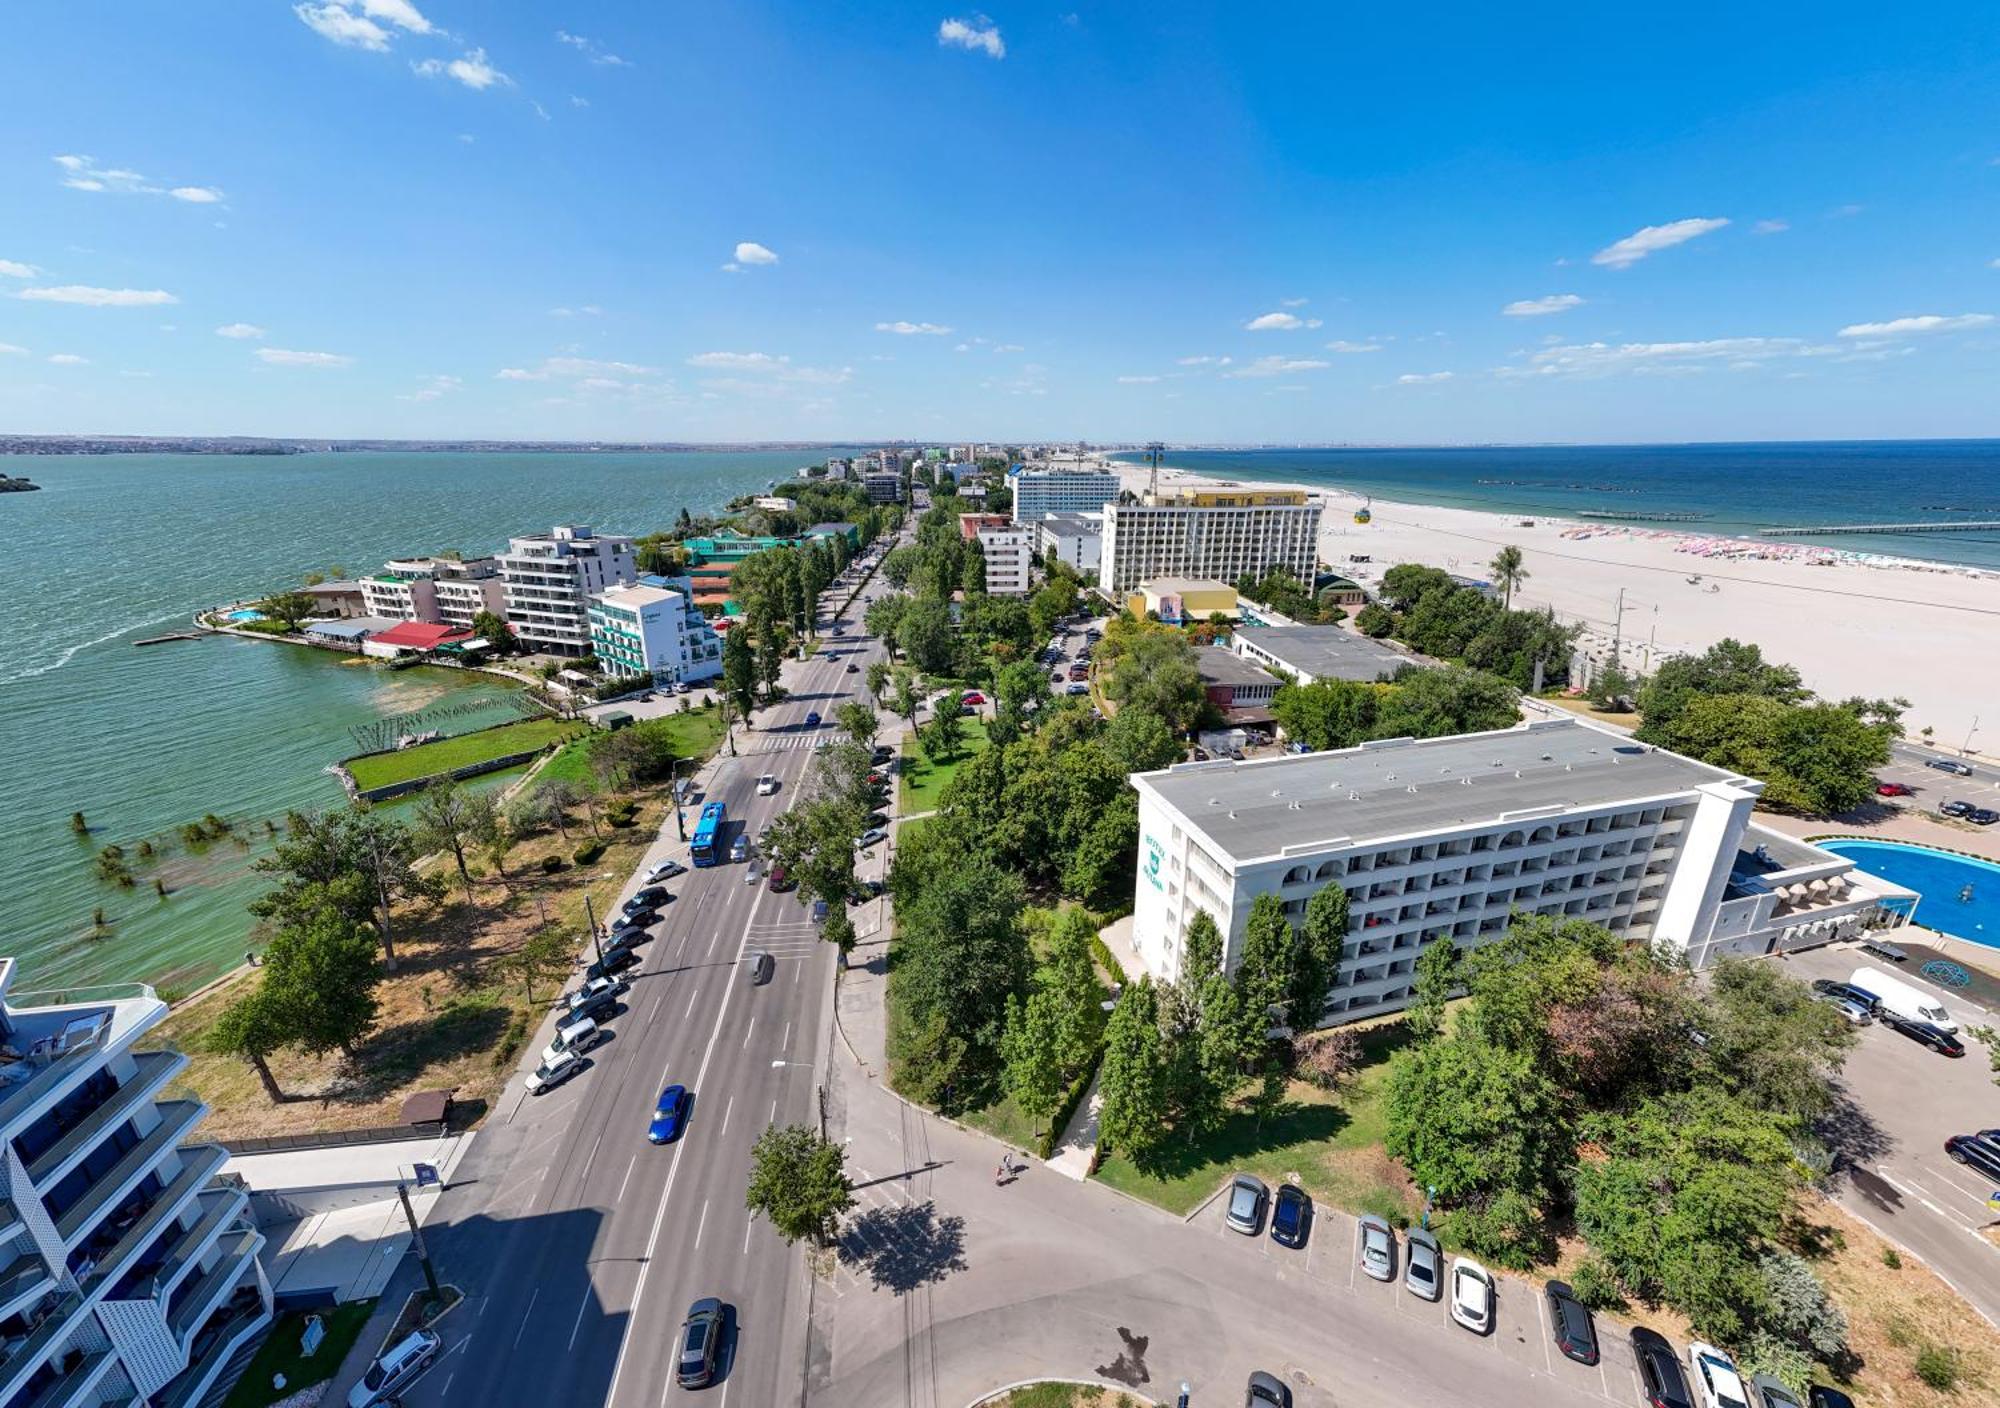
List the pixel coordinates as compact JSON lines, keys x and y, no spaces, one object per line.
{"x":37,"y":671}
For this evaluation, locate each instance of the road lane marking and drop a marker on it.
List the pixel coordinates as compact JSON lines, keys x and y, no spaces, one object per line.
{"x":525,"y":1316}
{"x":691,"y":997}
{"x":1542,"y":1314}
{"x":595,"y":1145}
{"x":749,"y":1029}
{"x":627,"y":1178}
{"x":725,"y":1115}
{"x":581,"y":1306}
{"x":701,"y":1224}
{"x":774,"y":1113}
{"x":746,"y":1236}
{"x":786,"y":1044}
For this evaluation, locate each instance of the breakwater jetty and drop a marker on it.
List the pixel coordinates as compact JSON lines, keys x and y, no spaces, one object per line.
{"x":1987,"y":525}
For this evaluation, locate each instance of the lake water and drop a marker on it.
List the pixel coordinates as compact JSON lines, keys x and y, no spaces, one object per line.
{"x":1736,"y":489}
{"x":119,"y":547}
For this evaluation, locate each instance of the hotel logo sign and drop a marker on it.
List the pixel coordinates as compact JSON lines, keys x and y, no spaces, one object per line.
{"x":1151,"y":864}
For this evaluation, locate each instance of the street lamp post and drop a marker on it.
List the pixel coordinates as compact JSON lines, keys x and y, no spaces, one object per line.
{"x":1965,"y":748}
{"x":596,"y":937}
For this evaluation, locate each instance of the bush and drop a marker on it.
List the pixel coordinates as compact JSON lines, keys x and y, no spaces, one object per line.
{"x":1766,"y":1354}
{"x":622,"y":820}
{"x":1596,"y":1286}
{"x":1937,"y":1366}
{"x":589,"y":853}
{"x":511,"y":1040}
{"x":1892,"y":1259}
{"x":551,"y":864}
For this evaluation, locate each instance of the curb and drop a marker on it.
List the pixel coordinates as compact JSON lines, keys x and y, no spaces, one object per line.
{"x":999,"y":1393}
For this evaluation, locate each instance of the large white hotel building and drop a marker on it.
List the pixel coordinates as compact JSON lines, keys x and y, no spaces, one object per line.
{"x":128,"y":1273}
{"x":1208,"y":534}
{"x":1038,"y":492}
{"x":1441,"y":840}
{"x":551,"y":578}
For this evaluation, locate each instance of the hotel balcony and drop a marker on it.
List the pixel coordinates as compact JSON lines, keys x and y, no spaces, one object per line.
{"x":20,"y":1357}
{"x":171,"y":1254}
{"x":196,"y":1300}
{"x":24,"y":1279}
{"x":215,"y":1345}
{"x":154,"y":1070}
{"x":199,"y":1164}
{"x":76,"y":1383}
{"x":177,"y":1119}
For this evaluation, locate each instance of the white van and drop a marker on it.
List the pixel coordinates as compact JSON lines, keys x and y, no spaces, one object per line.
{"x":1903,"y":999}
{"x":396,"y":1370}
{"x":578,"y":1036}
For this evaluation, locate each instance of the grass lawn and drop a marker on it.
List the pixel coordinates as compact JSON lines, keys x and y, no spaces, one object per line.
{"x":1048,"y":1395}
{"x":1584,"y":709}
{"x":448,"y":754}
{"x":1330,"y":1144}
{"x":279,"y":1354}
{"x":695,"y":734}
{"x":923,"y":780}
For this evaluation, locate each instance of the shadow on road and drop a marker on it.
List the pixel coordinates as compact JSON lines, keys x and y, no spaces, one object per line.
{"x":903,"y":1248}
{"x":1853,"y":1136}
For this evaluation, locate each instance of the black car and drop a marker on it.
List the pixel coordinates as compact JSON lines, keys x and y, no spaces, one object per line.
{"x":652,"y":897}
{"x":1291,"y":1216}
{"x":1936,"y":1038}
{"x":1976,"y":1151}
{"x":614,"y":961}
{"x":639,"y":919}
{"x":1954,"y":808}
{"x":701,"y":1344}
{"x":622,"y":939}
{"x":1569,"y":1321}
{"x":863,"y":891}
{"x":1982,"y":816}
{"x":1267,"y":1391}
{"x":1820,"y":1396}
{"x":1836,"y":991}
{"x":1660,"y":1375}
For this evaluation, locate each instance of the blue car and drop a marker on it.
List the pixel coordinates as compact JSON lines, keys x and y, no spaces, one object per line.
{"x":812,"y":719}
{"x":669,"y":1115}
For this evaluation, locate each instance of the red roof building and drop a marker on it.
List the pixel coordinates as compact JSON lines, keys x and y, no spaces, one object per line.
{"x":419,"y":635}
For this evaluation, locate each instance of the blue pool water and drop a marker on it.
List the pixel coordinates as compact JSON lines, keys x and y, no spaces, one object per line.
{"x":1941,"y":878}
{"x":245,"y":615}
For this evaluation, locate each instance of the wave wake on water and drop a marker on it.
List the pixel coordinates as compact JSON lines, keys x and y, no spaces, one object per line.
{"x":71,"y":652}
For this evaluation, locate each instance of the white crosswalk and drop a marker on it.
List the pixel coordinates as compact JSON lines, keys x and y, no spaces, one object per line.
{"x":786,"y":743}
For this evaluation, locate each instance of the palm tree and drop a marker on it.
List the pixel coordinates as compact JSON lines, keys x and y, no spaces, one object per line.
{"x":1509,"y":571}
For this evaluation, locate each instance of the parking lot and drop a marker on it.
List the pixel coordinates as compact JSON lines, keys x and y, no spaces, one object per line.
{"x":1930,"y":786}
{"x":1521,"y":1340}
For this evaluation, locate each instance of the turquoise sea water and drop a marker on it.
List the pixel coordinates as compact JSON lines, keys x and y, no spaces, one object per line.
{"x":1736,"y":489}
{"x":116,"y":548}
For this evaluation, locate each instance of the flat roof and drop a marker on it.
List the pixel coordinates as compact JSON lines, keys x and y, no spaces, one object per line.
{"x":1219,"y":666}
{"x":636,"y":596}
{"x":1071,"y":525}
{"x":1330,"y":652}
{"x":1181,"y":586}
{"x":1399,"y":787}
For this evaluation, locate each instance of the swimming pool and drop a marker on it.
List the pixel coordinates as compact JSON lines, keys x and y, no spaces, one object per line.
{"x":1961,"y":894}
{"x":244,"y":615}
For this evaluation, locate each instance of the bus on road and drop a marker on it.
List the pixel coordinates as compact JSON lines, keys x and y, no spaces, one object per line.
{"x":708,"y":835}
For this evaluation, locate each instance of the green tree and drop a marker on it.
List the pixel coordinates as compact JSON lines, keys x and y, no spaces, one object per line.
{"x":493,"y":630}
{"x":883,"y":616}
{"x":944,"y":736}
{"x":1328,"y":713}
{"x":1070,"y":977}
{"x":288,"y":608}
{"x":1317,"y":960}
{"x":1770,"y":1043}
{"x":1157,"y":673}
{"x":877,"y":677}
{"x":452,"y":819}
{"x":1729,"y":667}
{"x":1375,"y":620}
{"x":798,"y":1181}
{"x":1509,"y":572}
{"x":1447,"y":700}
{"x":321,"y":978}
{"x":1437,"y":971}
{"x":972,"y":575}
{"x":925,"y":635}
{"x":547,"y":955}
{"x":1140,"y":741}
{"x":252,"y":1029}
{"x":739,"y":672}
{"x":1265,"y":966}
{"x":1030,"y":1072}
{"x":857,"y":721}
{"x":1132,"y":1082}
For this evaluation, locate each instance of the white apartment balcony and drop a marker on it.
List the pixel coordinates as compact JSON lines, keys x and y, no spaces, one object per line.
{"x":23,"y":1355}
{"x":214,"y":1345}
{"x":195,"y":1300}
{"x":152,"y":1259}
{"x":154,"y":1070}
{"x":177,"y":1119}
{"x":75,"y":1383}
{"x":64,"y":1038}
{"x":25,"y":1280}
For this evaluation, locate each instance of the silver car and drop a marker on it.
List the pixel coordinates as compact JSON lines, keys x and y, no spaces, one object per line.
{"x":1378,"y":1248}
{"x":1247,"y":1197}
{"x":1423,"y":1265}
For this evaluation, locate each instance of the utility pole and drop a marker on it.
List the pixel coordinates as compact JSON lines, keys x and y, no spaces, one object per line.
{"x":595,"y":938}
{"x":417,"y":1241}
{"x":1154,"y":451}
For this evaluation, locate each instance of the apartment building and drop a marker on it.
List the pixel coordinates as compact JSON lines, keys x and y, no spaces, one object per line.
{"x":1038,"y":492}
{"x":550,"y":579}
{"x":1010,"y":553}
{"x":128,"y":1273}
{"x":1442,"y":840}
{"x":884,"y":486}
{"x":1073,"y":538}
{"x":439,"y":590}
{"x":1222,"y":534}
{"x":655,"y":630}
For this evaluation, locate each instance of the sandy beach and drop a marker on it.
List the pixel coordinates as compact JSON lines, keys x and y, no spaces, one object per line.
{"x":1852,"y":623}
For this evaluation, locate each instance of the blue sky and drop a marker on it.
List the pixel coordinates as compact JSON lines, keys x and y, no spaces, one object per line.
{"x":1193,"y":222}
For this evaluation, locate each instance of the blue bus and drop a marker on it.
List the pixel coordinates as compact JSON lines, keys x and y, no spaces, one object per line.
{"x":708,"y":834}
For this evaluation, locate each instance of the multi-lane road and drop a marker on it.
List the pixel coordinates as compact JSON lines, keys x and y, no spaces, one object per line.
{"x":580,"y":1244}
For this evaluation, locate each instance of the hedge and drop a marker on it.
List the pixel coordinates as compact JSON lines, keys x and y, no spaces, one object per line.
{"x":589,"y":852}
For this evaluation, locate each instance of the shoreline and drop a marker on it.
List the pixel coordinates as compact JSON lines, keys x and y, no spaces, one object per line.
{"x":1853,"y":623}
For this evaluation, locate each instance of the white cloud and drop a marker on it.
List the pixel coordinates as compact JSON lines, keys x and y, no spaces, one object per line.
{"x":68,"y":359}
{"x":8,"y":349}
{"x":471,"y":69}
{"x":13,"y":269}
{"x":281,"y":357}
{"x":1137,"y":380}
{"x":98,"y":297}
{"x":591,"y":50}
{"x":749,"y":252}
{"x":400,"y":13}
{"x":433,"y":388}
{"x":1652,"y":239}
{"x":1770,"y":227}
{"x":1294,"y":302}
{"x":1205,"y":361}
{"x":1594,"y":359}
{"x":1279,"y":322}
{"x":1009,"y":347}
{"x":738,"y":361}
{"x":1991,"y":264}
{"x":1343,"y":345}
{"x":963,"y":347}
{"x":904,"y":328}
{"x":570,"y":368}
{"x":520,"y":374}
{"x":1278,"y":366}
{"x":1927,"y":322}
{"x":977,"y":33}
{"x":82,"y":173}
{"x":240,"y":330}
{"x":576,"y":102}
{"x":582,"y":310}
{"x":1422,"y":378}
{"x":343,"y":26}
{"x":1542,"y":307}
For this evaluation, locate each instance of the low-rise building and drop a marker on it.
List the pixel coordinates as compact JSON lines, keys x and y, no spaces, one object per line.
{"x":1232,"y":683}
{"x":1442,"y":840}
{"x":1224,"y":534}
{"x":1010,"y":556}
{"x":345,"y":600}
{"x":130,"y":1271}
{"x":550,"y":579}
{"x":1312,"y":653}
{"x":446,"y":590}
{"x":1176,"y":600}
{"x":654,"y":629}
{"x":414,"y":638}
{"x":1071,"y":538}
{"x":969,"y":524}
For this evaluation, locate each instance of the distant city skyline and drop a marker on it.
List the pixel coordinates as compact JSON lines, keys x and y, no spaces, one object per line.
{"x":432,"y":220}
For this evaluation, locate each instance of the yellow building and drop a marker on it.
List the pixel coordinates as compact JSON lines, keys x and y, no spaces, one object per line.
{"x":1226,"y":498}
{"x":1180,"y":599}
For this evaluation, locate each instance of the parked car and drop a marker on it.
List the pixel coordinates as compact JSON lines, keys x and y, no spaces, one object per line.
{"x":1772,"y":1394}
{"x":639,"y":919}
{"x":762,"y":966}
{"x":766,"y":785}
{"x":853,"y":669}
{"x":1716,"y":1382}
{"x":739,"y":849}
{"x":1291,"y":1216}
{"x":665,"y":870}
{"x":1980,"y":1150}
{"x":669,"y":1114}
{"x":595,"y":999}
{"x":873,"y":836}
{"x":1858,"y":1007}
{"x":1894,"y":789}
{"x":1950,"y":765}
{"x":626,"y":936}
{"x":1267,"y":1391}
{"x":1820,"y":1396}
{"x":1892,"y":994}
{"x":1075,"y":688}
{"x":1378,"y":1248}
{"x":652,"y":897}
{"x":1954,"y":807}
{"x":701,"y":1344}
{"x":1660,"y":1375}
{"x":1247,"y":1197}
{"x":578,"y":1036}
{"x":1936,"y":1038}
{"x":396,"y":1370}
{"x":781,"y":880}
{"x":1472,"y":1295}
{"x":972,"y":696}
{"x":1423,"y":1265}
{"x":615,"y":960}
{"x":550,"y":1074}
{"x":812,"y":719}
{"x":1569,"y":1322}
{"x":1982,"y":816}
{"x":863,"y":891}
